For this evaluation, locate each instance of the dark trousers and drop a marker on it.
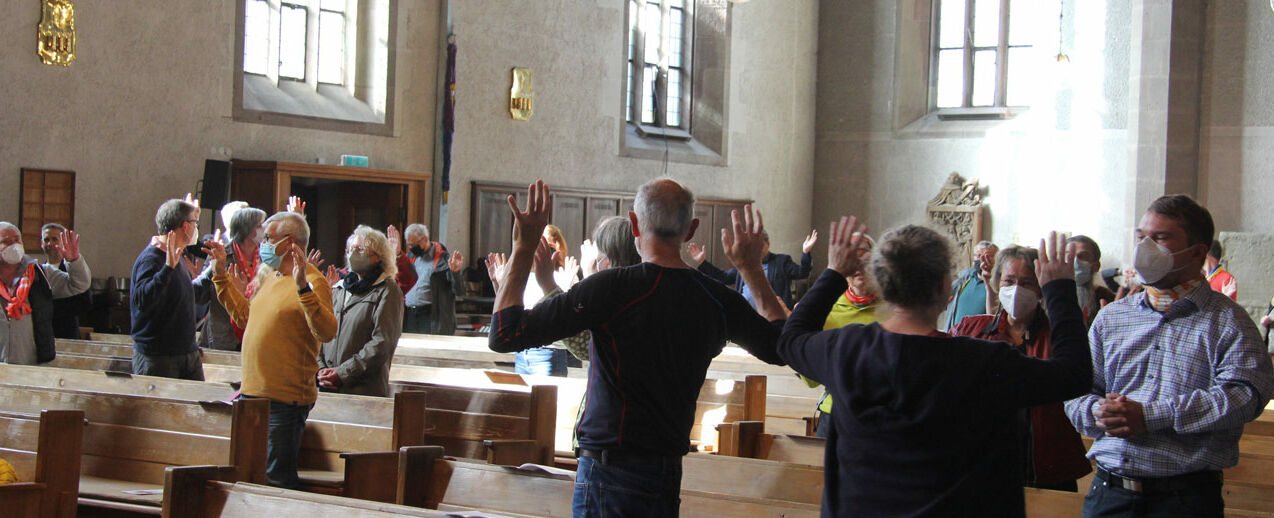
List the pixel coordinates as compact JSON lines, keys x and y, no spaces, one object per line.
{"x":181,"y":366}
{"x":1201,"y":500}
{"x":287,"y":424}
{"x":824,"y":427}
{"x":418,"y":320}
{"x":631,"y":487}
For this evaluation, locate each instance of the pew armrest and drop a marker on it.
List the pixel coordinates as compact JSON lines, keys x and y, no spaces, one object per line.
{"x":184,"y":487}
{"x":512,"y":452}
{"x":811,"y":425}
{"x":371,"y":476}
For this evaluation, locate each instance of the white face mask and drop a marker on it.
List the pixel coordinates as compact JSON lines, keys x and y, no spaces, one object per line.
{"x":1019,"y":303}
{"x":1152,"y":261}
{"x":12,"y":254}
{"x":1083,"y":272}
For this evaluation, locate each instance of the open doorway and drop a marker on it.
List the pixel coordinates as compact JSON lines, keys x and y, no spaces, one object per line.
{"x":335,"y":207}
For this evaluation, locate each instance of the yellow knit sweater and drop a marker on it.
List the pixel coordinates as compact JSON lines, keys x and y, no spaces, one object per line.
{"x":282,"y":338}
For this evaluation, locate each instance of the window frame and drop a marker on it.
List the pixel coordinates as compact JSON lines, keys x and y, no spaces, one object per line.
{"x":333,"y":100}
{"x":999,"y":109}
{"x":634,"y":80}
{"x":307,"y":52}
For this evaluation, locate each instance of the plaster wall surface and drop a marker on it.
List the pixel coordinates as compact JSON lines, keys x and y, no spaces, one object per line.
{"x":1061,"y":165}
{"x":148,"y":98}
{"x":575,"y":50}
{"x":1247,"y":258}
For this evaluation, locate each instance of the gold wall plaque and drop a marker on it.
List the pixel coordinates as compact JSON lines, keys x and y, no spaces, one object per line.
{"x":56,"y":33}
{"x":521,"y":96}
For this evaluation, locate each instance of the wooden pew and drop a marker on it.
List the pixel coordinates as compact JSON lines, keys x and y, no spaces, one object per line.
{"x":131,"y":439}
{"x":719,"y":400}
{"x":461,"y":484}
{"x":748,"y":439}
{"x":44,"y":450}
{"x":203,"y":492}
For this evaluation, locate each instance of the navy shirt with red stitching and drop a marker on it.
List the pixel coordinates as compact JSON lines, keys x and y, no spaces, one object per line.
{"x":655,"y":331}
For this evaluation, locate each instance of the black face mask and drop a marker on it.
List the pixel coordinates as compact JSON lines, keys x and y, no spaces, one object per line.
{"x":417,"y":251}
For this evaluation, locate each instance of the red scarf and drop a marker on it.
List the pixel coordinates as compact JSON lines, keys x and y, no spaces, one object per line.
{"x":18,"y":305}
{"x":859,"y":300}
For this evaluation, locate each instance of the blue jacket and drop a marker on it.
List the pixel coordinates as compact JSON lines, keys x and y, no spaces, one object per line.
{"x":780,"y":270}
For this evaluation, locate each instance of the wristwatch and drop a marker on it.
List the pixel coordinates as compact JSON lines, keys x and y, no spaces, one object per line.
{"x":305,"y":290}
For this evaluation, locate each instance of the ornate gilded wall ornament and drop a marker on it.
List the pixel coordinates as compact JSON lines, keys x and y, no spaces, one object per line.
{"x":521,"y":96}
{"x":56,"y":33}
{"x":957,"y":209}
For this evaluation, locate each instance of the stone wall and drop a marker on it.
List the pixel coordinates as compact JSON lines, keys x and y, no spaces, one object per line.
{"x":148,"y":98}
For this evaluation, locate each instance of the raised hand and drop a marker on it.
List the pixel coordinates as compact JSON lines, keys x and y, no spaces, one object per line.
{"x":1230,"y":288}
{"x":565,"y":276}
{"x":743,"y":243}
{"x":298,"y":266}
{"x":1055,"y":261}
{"x":543,"y":265}
{"x":192,"y":267}
{"x":588,"y":256}
{"x":172,"y":250}
{"x":333,"y":275}
{"x":456,"y":261}
{"x":809,"y":242}
{"x":216,"y":251}
{"x":69,"y":245}
{"x":697,"y":252}
{"x":316,"y":257}
{"x":528,"y":226}
{"x":295,"y":204}
{"x":844,"y":249}
{"x":190,"y":198}
{"x":496,"y":268}
{"x":238,"y":278}
{"x":395,"y":239}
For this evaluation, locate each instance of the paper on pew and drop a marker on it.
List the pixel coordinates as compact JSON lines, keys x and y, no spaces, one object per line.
{"x":564,"y":474}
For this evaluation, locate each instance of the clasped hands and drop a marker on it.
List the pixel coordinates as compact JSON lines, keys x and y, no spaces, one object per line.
{"x":1119,"y":416}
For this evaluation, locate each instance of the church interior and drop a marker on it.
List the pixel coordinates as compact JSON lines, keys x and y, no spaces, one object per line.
{"x":989,"y":120}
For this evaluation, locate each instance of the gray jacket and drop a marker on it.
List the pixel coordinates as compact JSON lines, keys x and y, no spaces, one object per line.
{"x":216,"y":331}
{"x":368,"y":328}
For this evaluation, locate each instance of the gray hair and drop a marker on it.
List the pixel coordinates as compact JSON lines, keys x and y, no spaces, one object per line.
{"x":173,"y":214}
{"x":664,"y":208}
{"x":47,"y":226}
{"x":376,"y":241}
{"x":614,"y":238}
{"x":293,"y":225}
{"x":5,"y":225}
{"x":416,"y":229}
{"x":910,"y":265}
{"x":1024,"y":253}
{"x":228,"y":210}
{"x":243,"y":222}
{"x":984,"y":245}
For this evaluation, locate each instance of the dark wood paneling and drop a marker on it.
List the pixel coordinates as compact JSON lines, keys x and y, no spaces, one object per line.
{"x":568,"y":215}
{"x":598,"y":210}
{"x":577,"y":212}
{"x":493,"y":232}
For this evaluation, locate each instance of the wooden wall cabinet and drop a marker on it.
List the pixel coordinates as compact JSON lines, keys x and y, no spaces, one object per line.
{"x":577,"y":212}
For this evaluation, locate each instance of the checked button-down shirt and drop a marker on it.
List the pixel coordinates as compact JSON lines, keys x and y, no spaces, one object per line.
{"x":1200,"y":371}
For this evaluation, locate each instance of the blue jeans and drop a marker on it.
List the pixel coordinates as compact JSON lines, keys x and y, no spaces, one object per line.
{"x":637,"y":487}
{"x":287,"y":424}
{"x":1199,"y":501}
{"x":543,"y":361}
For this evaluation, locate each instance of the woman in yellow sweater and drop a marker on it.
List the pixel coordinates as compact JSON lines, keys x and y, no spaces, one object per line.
{"x":857,"y":305}
{"x":292,"y":316}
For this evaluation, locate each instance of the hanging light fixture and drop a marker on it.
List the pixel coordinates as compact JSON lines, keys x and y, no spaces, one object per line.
{"x":1062,"y":57}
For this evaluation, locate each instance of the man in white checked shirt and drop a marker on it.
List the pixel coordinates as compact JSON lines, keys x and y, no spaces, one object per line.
{"x":1177,"y":370}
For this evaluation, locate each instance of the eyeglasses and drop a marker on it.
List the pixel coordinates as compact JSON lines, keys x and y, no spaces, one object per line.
{"x":195,"y":221}
{"x":359,"y":249}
